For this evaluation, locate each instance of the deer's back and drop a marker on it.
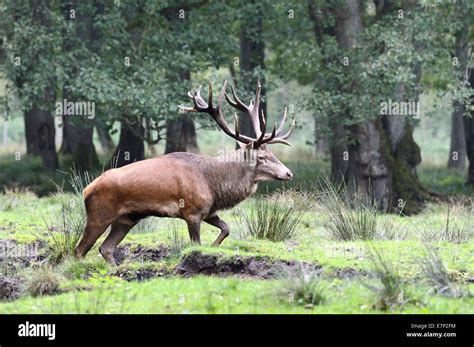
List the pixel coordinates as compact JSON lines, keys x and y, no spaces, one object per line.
{"x":170,"y":185}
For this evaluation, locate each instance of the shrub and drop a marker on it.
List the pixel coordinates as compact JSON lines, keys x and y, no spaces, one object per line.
{"x":269,"y":220}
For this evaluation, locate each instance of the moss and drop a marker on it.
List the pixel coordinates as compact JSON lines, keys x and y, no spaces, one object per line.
{"x":405,"y":184}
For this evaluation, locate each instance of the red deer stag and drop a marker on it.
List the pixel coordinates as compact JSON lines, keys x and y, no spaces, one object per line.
{"x":185,"y":185}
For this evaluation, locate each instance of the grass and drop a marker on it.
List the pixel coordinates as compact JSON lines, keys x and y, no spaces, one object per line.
{"x":66,"y":233}
{"x":303,"y":287}
{"x":353,"y":217}
{"x":43,"y":281}
{"x":436,"y":271}
{"x":175,"y":239}
{"x":204,"y":294}
{"x":391,"y":292}
{"x":90,"y":285}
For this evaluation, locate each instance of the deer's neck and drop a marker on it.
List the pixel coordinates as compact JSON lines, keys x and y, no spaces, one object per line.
{"x":232,"y":178}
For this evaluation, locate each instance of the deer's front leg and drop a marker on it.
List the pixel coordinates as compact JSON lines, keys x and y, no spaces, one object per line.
{"x":194,"y":229}
{"x":214,"y":220}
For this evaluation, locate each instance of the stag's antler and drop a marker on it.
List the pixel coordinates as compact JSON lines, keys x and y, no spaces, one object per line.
{"x":253,"y":111}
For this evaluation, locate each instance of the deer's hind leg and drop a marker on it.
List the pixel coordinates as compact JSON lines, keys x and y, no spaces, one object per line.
{"x":120,"y":228}
{"x":214,"y":220}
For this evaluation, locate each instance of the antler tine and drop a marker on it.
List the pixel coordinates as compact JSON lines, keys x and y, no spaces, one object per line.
{"x":238,"y":103}
{"x":265,"y":138}
{"x":262,"y":121}
{"x":256,"y":105}
{"x":209,"y":95}
{"x":287,"y":135}
{"x":282,"y":139}
{"x":282,"y":123}
{"x":236,"y":124}
{"x":222,"y":95}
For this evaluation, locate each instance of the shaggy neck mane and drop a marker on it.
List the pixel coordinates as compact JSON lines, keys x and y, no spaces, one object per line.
{"x":230,"y":179}
{"x":231,"y":182}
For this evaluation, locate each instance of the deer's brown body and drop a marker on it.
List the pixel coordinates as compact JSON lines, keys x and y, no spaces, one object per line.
{"x":178,"y":185}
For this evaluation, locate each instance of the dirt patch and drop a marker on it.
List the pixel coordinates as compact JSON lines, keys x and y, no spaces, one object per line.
{"x":346,"y":273}
{"x":10,"y":288}
{"x":141,"y":253}
{"x":140,"y":274}
{"x":196,"y":263}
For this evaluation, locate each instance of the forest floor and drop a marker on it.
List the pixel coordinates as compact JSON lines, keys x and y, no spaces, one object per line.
{"x":420,"y":264}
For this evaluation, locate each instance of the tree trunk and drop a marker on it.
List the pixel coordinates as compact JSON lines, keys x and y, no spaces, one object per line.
{"x":181,"y":133}
{"x":181,"y":136}
{"x":457,"y":152}
{"x":339,"y":152}
{"x":131,"y":147}
{"x":469,"y":134}
{"x":252,"y":55}
{"x":105,"y":139}
{"x":77,"y":141}
{"x":40,"y":134}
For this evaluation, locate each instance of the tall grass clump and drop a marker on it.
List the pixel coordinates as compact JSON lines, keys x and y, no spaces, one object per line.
{"x":391,"y":290}
{"x":269,"y":220}
{"x":456,"y":229}
{"x":353,"y":216}
{"x":302,"y":286}
{"x":175,"y":239}
{"x":66,"y":227}
{"x":438,"y":274}
{"x":347,"y":218}
{"x":43,"y":281}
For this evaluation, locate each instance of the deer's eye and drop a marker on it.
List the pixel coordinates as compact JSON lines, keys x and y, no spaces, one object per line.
{"x":261,"y":158}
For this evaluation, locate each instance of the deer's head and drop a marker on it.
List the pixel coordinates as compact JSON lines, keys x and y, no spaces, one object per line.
{"x":267,"y":166}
